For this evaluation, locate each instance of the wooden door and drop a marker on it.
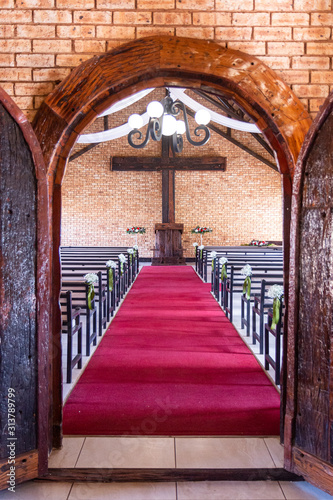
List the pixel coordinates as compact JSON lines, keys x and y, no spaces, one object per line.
{"x":24,"y":290}
{"x":309,"y":412}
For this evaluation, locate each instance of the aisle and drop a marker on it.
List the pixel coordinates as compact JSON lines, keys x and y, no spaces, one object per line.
{"x":172,"y":364}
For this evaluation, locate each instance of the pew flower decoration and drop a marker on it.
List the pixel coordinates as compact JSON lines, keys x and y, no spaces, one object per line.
{"x":195,"y":247}
{"x":213,"y":257}
{"x":258,"y":243}
{"x":130,"y":252}
{"x":91,"y":279}
{"x":135,"y":248}
{"x":246,"y":271}
{"x":223,"y":261}
{"x":136,"y":230}
{"x":201,"y":247}
{"x":122,"y":260}
{"x":201,"y":230}
{"x":111,"y":264}
{"x":275,"y":292}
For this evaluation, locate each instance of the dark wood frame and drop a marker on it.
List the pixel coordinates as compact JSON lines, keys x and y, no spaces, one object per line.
{"x":161,"y":61}
{"x":36,"y":462}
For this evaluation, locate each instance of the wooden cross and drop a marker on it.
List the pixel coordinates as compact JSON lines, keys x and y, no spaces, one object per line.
{"x":168,"y":165}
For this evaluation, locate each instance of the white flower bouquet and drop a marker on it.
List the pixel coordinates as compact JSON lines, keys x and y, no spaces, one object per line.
{"x":275,"y":292}
{"x":246,"y":271}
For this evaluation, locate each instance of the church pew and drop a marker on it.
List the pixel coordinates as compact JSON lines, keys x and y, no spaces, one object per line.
{"x":274,"y":362}
{"x":261,"y":304}
{"x":72,"y":326}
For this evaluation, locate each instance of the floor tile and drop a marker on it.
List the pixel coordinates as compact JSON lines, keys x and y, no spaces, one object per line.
{"x":276,"y":450}
{"x":123,"y":491}
{"x":303,"y":491}
{"x":127,"y":452}
{"x":227,"y":490}
{"x":69,"y":453}
{"x":38,"y":490}
{"x":222,"y":453}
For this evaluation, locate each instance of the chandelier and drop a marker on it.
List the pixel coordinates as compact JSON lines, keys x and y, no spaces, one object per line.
{"x":168,"y":118}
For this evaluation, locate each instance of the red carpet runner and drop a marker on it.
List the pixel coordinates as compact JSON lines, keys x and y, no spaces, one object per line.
{"x":172,"y":364}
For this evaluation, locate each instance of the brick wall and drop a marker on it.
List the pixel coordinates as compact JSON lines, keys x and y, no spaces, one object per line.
{"x":42,"y":40}
{"x":241,"y":204}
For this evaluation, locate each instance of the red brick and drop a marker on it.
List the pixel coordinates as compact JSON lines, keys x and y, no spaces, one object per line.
{"x":6,"y":31}
{"x":7,"y":60}
{"x":295,"y":76}
{"x":322,"y":77}
{"x":52,"y":16}
{"x":315,"y":104}
{"x":278,"y":34}
{"x":127,"y":32}
{"x":116,"y":4}
{"x":308,"y":5}
{"x":25,"y":102}
{"x":7,"y":87}
{"x":7,"y":4}
{"x":234,"y":5}
{"x":32,"y":31}
{"x":125,"y":17}
{"x":252,"y":48}
{"x":76,"y":31}
{"x":169,"y":18}
{"x":50,"y":74}
{"x":322,"y":19}
{"x":35,"y":60}
{"x":75,"y":4}
{"x":311,"y":90}
{"x":16,"y":74}
{"x":273,"y":5}
{"x":290,"y":19}
{"x":195,"y":4}
{"x":205,"y":33}
{"x":233,"y":33}
{"x":15,"y":16}
{"x":71,"y":60}
{"x":52,"y":46}
{"x":90,"y":46}
{"x":153,"y":5}
{"x":310,"y":62}
{"x":308,"y":34}
{"x":16,"y":45}
{"x":33,"y":88}
{"x":92,"y":17}
{"x":115,"y":43}
{"x":249,"y":19}
{"x":30,"y":114}
{"x":276,"y":62}
{"x":319,"y":48}
{"x":154,"y":30}
{"x":283,"y":48}
{"x":33,"y":4}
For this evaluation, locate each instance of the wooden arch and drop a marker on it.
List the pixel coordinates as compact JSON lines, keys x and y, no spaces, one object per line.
{"x":157,"y":62}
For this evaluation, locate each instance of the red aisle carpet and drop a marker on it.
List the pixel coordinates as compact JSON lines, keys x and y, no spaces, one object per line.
{"x":172,"y":364}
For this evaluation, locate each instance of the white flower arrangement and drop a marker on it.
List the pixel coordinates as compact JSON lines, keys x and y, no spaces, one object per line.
{"x":223,"y":260}
{"x":201,"y":247}
{"x":246,"y":270}
{"x":91,"y":278}
{"x":213,"y":255}
{"x":130,"y":251}
{"x":136,"y":248}
{"x":195,"y":244}
{"x":122,"y":258}
{"x":111,"y":264}
{"x":275,"y":291}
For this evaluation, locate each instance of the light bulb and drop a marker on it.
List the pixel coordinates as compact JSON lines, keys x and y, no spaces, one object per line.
{"x":202,"y":117}
{"x":169,"y":125}
{"x":155,"y":109}
{"x":181,"y":127}
{"x":135,"y":121}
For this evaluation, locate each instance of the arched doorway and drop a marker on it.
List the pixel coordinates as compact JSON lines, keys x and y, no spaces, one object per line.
{"x":160,"y":62}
